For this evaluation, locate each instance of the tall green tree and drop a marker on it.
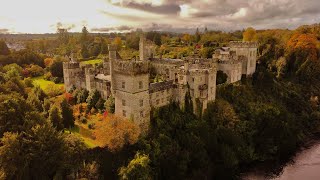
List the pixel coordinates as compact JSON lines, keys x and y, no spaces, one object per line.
{"x":55,"y":117}
{"x":67,"y":114}
{"x":92,"y":99}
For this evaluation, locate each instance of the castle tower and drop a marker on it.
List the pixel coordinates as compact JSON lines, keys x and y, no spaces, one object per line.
{"x":70,"y":70}
{"x":146,"y":49}
{"x":89,"y":75}
{"x":130,"y":84}
{"x":248,"y":50}
{"x":142,"y":48}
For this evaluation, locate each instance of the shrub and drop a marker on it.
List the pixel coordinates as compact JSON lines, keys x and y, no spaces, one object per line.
{"x":91,"y":126}
{"x":84,"y":120}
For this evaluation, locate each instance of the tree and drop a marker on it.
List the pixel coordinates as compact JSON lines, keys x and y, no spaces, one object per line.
{"x":84,"y":35}
{"x":35,"y":70}
{"x":48,"y":62}
{"x":301,"y":47}
{"x":84,"y":51}
{"x":55,"y":117}
{"x":110,"y":104}
{"x":92,"y":99}
{"x":186,"y":38}
{"x":46,"y":106}
{"x":197,"y":35}
{"x":37,"y":153}
{"x":56,"y":67}
{"x":115,"y":132}
{"x":67,"y":114}
{"x":14,"y":111}
{"x":118,"y":42}
{"x":63,"y":35}
{"x":249,"y":34}
{"x":40,"y":152}
{"x":138,"y":168}
{"x":221,"y":77}
{"x":4,"y":50}
{"x":100,"y":104}
{"x":206,"y":30}
{"x":33,"y":100}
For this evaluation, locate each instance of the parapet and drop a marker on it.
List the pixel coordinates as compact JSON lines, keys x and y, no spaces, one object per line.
{"x":71,"y":65}
{"x":243,"y":44}
{"x":131,"y":67}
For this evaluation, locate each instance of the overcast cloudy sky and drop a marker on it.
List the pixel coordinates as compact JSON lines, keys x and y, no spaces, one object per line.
{"x":42,"y":16}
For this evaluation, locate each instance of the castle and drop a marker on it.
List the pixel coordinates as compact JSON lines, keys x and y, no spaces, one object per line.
{"x":131,"y":82}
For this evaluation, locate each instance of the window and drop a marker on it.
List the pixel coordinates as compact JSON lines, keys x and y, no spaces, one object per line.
{"x":141,"y":102}
{"x":141,"y":114}
{"x":123,"y":85}
{"x":158,"y":101}
{"x":192,"y":79}
{"x":123,"y":102}
{"x":140,"y":85}
{"x":124,"y":113}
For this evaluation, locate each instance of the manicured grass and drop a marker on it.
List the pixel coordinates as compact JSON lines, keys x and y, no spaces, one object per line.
{"x":94,"y":61}
{"x":87,"y":141}
{"x":40,"y":81}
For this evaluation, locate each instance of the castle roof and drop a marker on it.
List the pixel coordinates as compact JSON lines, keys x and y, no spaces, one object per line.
{"x":160,"y":86}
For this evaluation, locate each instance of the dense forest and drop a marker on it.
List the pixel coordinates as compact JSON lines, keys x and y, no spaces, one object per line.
{"x":261,"y":120}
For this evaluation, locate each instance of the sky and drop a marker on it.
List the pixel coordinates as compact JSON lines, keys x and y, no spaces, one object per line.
{"x":45,"y":16}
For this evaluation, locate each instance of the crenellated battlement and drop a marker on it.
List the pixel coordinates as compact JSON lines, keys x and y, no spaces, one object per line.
{"x":71,"y":65}
{"x":131,"y":67}
{"x":243,"y":44}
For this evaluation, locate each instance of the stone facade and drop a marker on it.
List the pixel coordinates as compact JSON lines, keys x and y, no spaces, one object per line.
{"x":136,"y":94}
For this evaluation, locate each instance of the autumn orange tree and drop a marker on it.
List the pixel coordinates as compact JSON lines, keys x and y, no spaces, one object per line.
{"x":301,"y":47}
{"x":114,"y":132}
{"x":118,"y":42}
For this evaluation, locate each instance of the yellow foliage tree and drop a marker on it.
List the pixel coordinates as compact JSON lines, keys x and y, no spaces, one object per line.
{"x":249,"y":34}
{"x":114,"y":132}
{"x":186,"y":38}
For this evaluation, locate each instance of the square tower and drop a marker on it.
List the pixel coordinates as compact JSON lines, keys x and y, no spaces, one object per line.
{"x":249,"y":50}
{"x":130,"y":81}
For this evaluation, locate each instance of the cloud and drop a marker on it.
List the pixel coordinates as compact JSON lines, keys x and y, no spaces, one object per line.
{"x":167,"y":15}
{"x":4,"y":31}
{"x":112,"y":29}
{"x":167,"y":9}
{"x":226,"y":14}
{"x":60,"y":25}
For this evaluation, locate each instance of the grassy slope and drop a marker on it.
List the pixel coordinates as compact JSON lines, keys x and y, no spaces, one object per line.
{"x":43,"y":83}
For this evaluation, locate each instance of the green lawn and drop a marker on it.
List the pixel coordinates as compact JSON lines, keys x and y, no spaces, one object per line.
{"x":87,"y":141}
{"x":39,"y":81}
{"x":94,"y":61}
